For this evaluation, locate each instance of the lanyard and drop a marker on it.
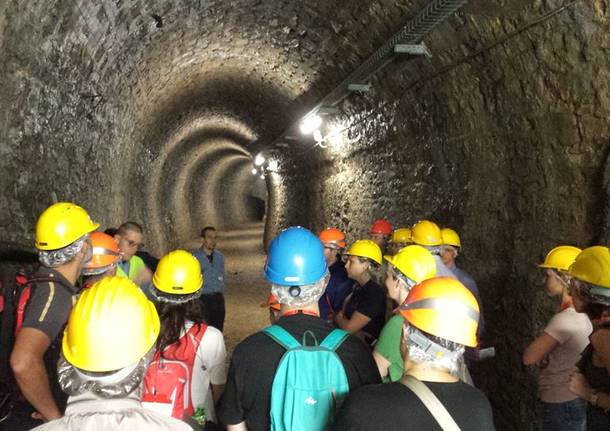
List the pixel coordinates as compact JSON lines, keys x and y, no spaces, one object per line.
{"x":308,"y":312}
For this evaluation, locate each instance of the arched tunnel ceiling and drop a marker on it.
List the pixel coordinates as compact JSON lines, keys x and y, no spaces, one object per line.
{"x":142,"y":73}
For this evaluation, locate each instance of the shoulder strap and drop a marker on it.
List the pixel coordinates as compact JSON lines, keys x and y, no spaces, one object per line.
{"x":282,"y":337}
{"x":334,"y":339}
{"x":432,"y":403}
{"x":33,"y":281}
{"x":197,"y":331}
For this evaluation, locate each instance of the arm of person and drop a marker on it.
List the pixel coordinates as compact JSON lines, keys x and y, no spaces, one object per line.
{"x":143,"y":277}
{"x":539,"y":349}
{"x":27,"y":362}
{"x":353,"y":325}
{"x":237,"y":427}
{"x":579,"y":384}
{"x":382,"y":364}
{"x":217,"y":391}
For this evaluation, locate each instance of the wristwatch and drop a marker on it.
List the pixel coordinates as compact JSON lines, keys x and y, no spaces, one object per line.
{"x":594,"y":398}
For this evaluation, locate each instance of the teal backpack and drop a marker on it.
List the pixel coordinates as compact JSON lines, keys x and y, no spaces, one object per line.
{"x":310,"y":382}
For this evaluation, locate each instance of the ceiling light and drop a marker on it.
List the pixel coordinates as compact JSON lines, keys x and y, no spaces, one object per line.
{"x":259,"y":160}
{"x":311,"y":123}
{"x":317,"y":135}
{"x":254,"y":171}
{"x":272,"y":165}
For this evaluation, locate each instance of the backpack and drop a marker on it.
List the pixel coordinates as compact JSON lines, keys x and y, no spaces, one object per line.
{"x":167,"y":382}
{"x":15,"y":291}
{"x":310,"y":381}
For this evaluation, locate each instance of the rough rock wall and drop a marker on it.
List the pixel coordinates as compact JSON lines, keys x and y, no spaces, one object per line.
{"x":503,"y":135}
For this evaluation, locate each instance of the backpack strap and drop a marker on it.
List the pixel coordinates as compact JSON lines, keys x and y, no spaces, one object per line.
{"x":432,"y":403}
{"x":282,"y":337}
{"x":334,"y":339}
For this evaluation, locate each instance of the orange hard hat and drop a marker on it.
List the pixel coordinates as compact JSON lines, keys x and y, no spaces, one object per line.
{"x":105,"y":251}
{"x":332,"y":235}
{"x":442,"y":306}
{"x":381,"y":226}
{"x":272,"y":302}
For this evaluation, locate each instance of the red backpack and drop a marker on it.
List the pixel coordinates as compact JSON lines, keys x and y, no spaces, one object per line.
{"x":167,"y":383}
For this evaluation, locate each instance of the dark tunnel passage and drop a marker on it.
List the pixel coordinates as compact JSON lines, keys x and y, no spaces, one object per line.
{"x":182,"y":114}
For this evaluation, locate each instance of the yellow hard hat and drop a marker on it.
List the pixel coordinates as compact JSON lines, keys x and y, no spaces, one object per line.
{"x":414,"y":262}
{"x":592,"y":266}
{"x":112,"y":326}
{"x":365,"y":248}
{"x":61,"y":224}
{"x":450,"y":237}
{"x":178,"y":273}
{"x":560,"y":257}
{"x":426,"y":233}
{"x":402,"y":235}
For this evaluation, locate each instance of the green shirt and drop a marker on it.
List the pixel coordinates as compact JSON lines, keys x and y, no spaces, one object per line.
{"x":134,"y":266}
{"x":388,"y":346}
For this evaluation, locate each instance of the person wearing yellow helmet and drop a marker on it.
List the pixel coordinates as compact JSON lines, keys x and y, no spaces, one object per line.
{"x":440,"y":319}
{"x":450,"y":248}
{"x":364,"y":310}
{"x":185,"y":342}
{"x":105,"y":352}
{"x":427,"y":234}
{"x":401,"y":237}
{"x":590,"y":290}
{"x":558,"y":348}
{"x":62,"y":240}
{"x":413,"y":264}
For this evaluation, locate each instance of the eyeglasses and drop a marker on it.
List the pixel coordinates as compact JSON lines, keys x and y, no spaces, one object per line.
{"x":135,"y":244}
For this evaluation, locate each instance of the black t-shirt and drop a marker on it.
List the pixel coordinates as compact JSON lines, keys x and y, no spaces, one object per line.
{"x":393,"y":406}
{"x":247,"y":394}
{"x":369,"y":300}
{"x":48,"y":310}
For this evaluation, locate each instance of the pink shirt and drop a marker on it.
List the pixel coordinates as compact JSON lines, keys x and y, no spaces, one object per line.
{"x":571,"y":330}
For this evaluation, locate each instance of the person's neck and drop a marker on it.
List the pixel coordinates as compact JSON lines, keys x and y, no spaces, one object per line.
{"x":426,"y":373}
{"x":565,"y":297}
{"x":402,"y":296}
{"x":363,"y":278}
{"x":312,"y":308}
{"x":207,"y":251}
{"x":450,"y":264}
{"x":70,"y":271}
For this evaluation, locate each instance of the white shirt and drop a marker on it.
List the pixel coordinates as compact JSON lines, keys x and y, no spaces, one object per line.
{"x":209,"y":368}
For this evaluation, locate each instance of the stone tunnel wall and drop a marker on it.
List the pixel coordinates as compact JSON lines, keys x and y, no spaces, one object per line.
{"x":152,"y":110}
{"x":503,"y":135}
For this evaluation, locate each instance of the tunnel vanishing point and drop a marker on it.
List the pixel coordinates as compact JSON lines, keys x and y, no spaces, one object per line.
{"x":492,"y":117}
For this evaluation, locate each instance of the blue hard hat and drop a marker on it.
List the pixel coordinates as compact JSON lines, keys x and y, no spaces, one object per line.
{"x":295,"y":258}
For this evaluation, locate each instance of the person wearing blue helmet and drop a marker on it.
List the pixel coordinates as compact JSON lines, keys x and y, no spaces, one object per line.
{"x":297,"y":271}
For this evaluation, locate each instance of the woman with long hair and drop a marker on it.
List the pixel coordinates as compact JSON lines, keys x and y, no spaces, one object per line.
{"x":188,"y":372}
{"x":364,"y":311}
{"x":590,"y":289}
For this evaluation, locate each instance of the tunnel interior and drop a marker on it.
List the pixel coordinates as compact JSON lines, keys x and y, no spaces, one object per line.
{"x":155,"y":111}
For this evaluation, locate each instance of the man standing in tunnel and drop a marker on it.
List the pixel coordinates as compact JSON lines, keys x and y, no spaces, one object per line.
{"x":213,"y":270}
{"x":130,"y":237}
{"x":62,"y":240}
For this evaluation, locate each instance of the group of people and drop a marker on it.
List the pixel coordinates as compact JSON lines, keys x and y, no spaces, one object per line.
{"x":377,"y":334}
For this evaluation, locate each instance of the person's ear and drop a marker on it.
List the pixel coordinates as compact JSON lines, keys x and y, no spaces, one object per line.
{"x":117,"y":238}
